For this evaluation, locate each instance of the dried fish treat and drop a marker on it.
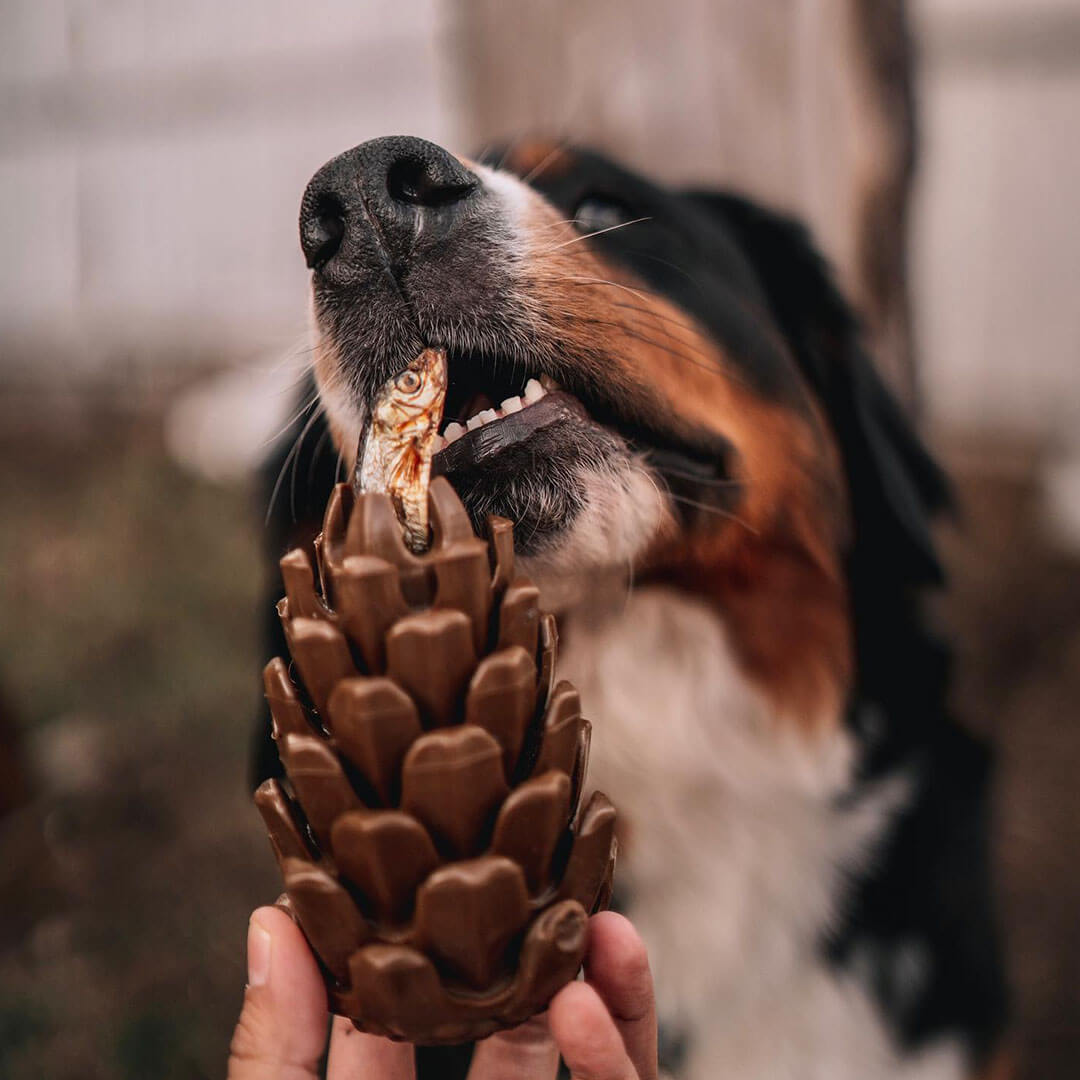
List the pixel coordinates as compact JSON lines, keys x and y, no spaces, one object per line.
{"x":398,"y":442}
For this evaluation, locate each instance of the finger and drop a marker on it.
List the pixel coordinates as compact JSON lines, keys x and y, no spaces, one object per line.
{"x":355,"y":1055}
{"x":282,"y":1028}
{"x":617,"y":967}
{"x":587,"y":1037}
{"x":527,"y":1052}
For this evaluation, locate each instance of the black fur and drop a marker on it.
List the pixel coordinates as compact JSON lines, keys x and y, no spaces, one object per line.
{"x":928,"y":895}
{"x":895,"y":488}
{"x":294,"y":487}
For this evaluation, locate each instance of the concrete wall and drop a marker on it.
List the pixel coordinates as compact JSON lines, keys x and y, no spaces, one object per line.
{"x":997,"y":238}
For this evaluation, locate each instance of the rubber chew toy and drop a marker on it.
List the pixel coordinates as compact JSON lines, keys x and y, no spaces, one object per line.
{"x":430,"y":826}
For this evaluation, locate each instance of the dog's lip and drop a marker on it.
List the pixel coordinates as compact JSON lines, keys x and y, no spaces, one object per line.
{"x":475,"y":447}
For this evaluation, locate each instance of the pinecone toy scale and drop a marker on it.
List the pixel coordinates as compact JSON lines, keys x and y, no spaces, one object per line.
{"x":429,"y":829}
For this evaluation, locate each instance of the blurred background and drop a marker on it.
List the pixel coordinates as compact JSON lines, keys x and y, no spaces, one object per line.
{"x":152,"y":316}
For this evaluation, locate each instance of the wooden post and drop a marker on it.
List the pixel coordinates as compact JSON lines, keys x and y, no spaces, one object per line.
{"x":805,"y":105}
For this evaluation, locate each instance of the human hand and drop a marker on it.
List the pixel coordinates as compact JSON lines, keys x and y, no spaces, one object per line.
{"x":604,"y":1028}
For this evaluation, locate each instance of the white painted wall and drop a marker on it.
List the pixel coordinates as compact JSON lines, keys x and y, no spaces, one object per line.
{"x":153,"y":154}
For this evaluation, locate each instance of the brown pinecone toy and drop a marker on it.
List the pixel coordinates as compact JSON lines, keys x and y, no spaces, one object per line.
{"x":429,"y":829}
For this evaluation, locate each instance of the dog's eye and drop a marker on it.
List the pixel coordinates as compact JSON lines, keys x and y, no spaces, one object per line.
{"x":598,"y":212}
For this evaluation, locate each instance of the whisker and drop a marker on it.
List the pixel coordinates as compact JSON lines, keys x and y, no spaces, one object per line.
{"x":672,"y":266}
{"x":729,"y":370}
{"x":704,"y":481}
{"x":705,"y":508}
{"x":488,"y":147}
{"x":645,"y":295}
{"x":597,"y":232}
{"x":556,"y":224}
{"x":659,"y":316}
{"x":687,"y":358}
{"x":292,"y":420}
{"x":641,"y":294}
{"x":300,"y":442}
{"x":545,"y":161}
{"x":288,"y":460}
{"x":294,"y":353}
{"x":315,"y":455}
{"x":629,"y":582}
{"x":511,"y":146}
{"x":660,"y":328}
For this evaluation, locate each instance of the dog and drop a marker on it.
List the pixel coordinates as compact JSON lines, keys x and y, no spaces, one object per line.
{"x":732,"y":518}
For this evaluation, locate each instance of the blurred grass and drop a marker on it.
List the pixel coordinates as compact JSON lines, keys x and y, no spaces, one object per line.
{"x":129,"y":649}
{"x":128,"y":588}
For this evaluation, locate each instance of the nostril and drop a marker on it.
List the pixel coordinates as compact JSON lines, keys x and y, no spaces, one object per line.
{"x":411,"y":180}
{"x":373,"y":201}
{"x":323,"y":231}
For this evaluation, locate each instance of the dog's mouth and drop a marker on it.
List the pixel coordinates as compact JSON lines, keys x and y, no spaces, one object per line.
{"x":516,"y":442}
{"x":490,"y":411}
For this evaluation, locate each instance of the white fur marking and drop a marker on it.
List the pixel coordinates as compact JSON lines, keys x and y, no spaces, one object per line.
{"x":736,"y":845}
{"x":623,"y":509}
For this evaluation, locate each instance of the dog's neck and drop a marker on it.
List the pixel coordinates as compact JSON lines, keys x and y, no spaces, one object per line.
{"x":731,"y":828}
{"x":597,"y":596}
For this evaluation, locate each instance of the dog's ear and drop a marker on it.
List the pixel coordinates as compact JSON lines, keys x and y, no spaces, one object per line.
{"x":895,"y":486}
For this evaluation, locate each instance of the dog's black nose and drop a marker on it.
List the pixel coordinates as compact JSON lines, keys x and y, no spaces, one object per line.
{"x":387,"y":192}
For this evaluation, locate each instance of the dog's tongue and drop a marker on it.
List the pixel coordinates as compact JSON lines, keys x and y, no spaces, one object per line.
{"x":491,"y":439}
{"x":477,"y":403}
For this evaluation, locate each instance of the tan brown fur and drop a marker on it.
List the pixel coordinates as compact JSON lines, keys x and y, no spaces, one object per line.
{"x":1002,"y":1066}
{"x":773,"y":565}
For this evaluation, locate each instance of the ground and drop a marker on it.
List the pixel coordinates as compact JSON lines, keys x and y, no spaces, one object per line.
{"x":129,"y":656}
{"x":129,"y":652}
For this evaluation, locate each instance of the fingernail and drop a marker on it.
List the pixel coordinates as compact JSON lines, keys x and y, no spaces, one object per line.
{"x":258,"y":954}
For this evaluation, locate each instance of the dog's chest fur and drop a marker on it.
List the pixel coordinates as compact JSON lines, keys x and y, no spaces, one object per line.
{"x":736,"y":842}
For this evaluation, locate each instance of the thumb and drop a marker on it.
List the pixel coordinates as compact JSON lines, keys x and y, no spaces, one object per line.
{"x":281,"y":1033}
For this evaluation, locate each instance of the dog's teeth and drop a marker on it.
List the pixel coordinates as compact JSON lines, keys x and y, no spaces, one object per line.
{"x":533,"y":392}
{"x":548,"y":383}
{"x":438,"y":443}
{"x":511,"y":404}
{"x":474,"y":422}
{"x":453,"y":431}
{"x":487,"y":416}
